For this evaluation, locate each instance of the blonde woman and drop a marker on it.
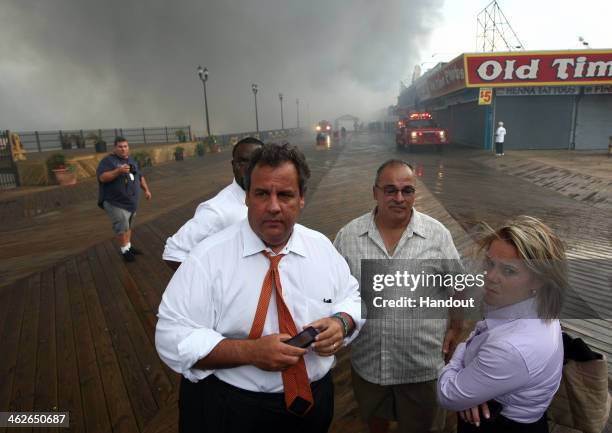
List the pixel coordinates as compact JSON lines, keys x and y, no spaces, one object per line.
{"x":514,"y":357}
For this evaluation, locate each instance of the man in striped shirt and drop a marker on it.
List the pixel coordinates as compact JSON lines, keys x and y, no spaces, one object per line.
{"x":396,"y":361}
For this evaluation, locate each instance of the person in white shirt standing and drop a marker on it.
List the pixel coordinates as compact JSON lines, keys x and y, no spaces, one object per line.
{"x":221,"y":211}
{"x":500,"y":133}
{"x":228,"y":311}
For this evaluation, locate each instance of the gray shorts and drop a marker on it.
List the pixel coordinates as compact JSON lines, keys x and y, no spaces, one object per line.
{"x":121,"y":219}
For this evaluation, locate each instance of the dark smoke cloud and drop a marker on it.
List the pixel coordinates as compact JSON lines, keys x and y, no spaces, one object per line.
{"x":81,"y":64}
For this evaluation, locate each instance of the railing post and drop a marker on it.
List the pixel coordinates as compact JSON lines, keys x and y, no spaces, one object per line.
{"x":9,"y":148}
{"x":121,"y":131}
{"x":37,"y":141}
{"x":115,"y":132}
{"x":189,"y":129}
{"x":61,"y":139}
{"x":9,"y":143}
{"x":144,"y":136}
{"x":166,"y":129}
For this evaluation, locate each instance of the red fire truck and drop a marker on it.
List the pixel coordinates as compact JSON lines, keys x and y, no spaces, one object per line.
{"x":324,"y":133}
{"x":418,"y":129}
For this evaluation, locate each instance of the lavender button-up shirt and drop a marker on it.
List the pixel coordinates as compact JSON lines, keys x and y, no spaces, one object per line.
{"x":510,"y":358}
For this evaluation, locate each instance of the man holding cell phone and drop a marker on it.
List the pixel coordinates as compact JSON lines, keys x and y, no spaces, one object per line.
{"x":254,"y":315}
{"x":119,"y":180}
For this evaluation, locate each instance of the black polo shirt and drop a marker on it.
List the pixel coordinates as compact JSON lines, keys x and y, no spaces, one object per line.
{"x":124,"y":190}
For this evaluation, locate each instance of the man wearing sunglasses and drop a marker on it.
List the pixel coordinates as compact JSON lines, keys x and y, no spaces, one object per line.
{"x":396,"y":362}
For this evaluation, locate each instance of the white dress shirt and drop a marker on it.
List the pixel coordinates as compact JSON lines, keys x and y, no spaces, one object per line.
{"x":212,"y":216}
{"x":215,"y":292}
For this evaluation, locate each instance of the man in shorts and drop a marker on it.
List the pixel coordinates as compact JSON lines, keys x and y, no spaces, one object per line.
{"x":119,"y":180}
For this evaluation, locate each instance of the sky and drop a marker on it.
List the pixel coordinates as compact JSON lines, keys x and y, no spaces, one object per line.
{"x":539,"y":25}
{"x":79,"y":64}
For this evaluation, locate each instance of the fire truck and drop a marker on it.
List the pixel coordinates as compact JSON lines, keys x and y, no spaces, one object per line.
{"x":419,"y":129}
{"x":324,"y":133}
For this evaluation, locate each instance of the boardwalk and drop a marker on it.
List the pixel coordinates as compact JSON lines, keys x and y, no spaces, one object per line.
{"x":77,"y":323}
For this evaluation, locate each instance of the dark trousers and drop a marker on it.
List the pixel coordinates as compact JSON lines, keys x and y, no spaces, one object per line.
{"x":501,"y":424}
{"x":213,"y":406}
{"x":499,"y":148}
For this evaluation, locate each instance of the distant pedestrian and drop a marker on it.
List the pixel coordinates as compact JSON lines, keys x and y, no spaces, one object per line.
{"x":119,"y":180}
{"x":500,"y":133}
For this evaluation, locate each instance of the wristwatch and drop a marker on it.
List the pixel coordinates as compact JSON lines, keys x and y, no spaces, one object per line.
{"x":344,"y":322}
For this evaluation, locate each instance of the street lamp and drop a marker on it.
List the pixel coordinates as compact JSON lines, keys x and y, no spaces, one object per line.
{"x":203,"y":74}
{"x":254,"y":89}
{"x":280,"y":97}
{"x":297,"y":102}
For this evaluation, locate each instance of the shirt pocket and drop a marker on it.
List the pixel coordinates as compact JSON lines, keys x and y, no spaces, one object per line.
{"x":307,"y":309}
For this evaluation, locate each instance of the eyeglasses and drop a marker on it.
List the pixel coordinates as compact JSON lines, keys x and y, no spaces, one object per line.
{"x":391,"y":191}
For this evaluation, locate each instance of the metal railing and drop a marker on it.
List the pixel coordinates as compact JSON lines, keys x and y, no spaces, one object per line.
{"x":273,"y":135}
{"x":41,"y":141}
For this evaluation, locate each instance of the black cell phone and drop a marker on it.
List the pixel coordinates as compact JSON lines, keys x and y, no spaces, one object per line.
{"x":495,"y":409}
{"x":304,"y":338}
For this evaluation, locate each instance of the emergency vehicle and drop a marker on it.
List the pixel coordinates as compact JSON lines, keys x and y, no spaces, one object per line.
{"x":324,"y":133}
{"x":419,"y":129}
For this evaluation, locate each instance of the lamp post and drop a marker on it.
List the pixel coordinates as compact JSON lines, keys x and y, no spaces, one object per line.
{"x":203,"y":74}
{"x":297,"y":103}
{"x":254,"y":89}
{"x":280,"y":97}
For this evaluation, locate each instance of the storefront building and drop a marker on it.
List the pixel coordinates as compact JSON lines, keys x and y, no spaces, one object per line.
{"x":546,"y":99}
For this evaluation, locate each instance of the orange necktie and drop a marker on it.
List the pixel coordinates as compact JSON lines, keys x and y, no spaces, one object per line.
{"x":298,"y":395}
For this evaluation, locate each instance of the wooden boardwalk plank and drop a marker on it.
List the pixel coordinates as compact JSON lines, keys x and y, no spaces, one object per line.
{"x":152,"y":277}
{"x":10,"y":335}
{"x":109,"y":291}
{"x":46,"y":362}
{"x":151,"y":263}
{"x":22,"y":398}
{"x":69,"y":390}
{"x":5,"y":303}
{"x":121,"y":415}
{"x":95,"y":413}
{"x":133,"y":306}
{"x":148,"y":279}
{"x":171,"y":223}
